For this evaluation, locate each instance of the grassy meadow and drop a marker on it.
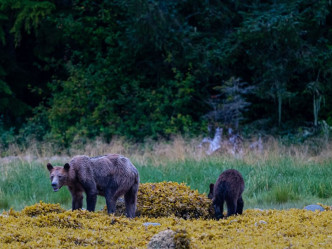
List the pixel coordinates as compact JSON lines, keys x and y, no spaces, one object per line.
{"x":279,"y":177}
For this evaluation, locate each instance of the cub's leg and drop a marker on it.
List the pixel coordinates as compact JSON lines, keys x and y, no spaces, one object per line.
{"x":218,"y":204}
{"x":240,"y":205}
{"x":231,"y":206}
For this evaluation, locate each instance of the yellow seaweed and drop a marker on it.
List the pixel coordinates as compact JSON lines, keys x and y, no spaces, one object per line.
{"x":49,"y":226}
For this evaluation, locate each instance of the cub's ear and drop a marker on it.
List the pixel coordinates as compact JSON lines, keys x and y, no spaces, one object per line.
{"x":66,"y":167}
{"x":49,"y":167}
{"x":210,"y":195}
{"x":211,"y":188}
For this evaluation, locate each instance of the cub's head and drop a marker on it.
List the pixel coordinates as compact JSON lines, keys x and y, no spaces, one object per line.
{"x":58,"y":176}
{"x":210,"y":195}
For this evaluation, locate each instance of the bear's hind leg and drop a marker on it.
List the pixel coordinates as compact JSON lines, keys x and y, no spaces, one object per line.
{"x":91,"y":200}
{"x":240,"y":205}
{"x":111,"y":195}
{"x":111,"y":203}
{"x":131,"y":200}
{"x":231,"y":206}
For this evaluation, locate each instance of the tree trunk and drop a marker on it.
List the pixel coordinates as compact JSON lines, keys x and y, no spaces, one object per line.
{"x":316,"y":102}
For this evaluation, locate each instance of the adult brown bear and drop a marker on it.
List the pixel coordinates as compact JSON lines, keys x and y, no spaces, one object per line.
{"x":110,"y":175}
{"x":229,"y":188}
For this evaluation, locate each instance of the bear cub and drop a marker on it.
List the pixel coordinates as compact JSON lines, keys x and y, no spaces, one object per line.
{"x":228,"y":187}
{"x":110,"y":175}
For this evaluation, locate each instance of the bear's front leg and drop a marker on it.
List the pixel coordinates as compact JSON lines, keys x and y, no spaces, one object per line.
{"x":77,"y":198}
{"x":218,"y":208}
{"x":91,"y":191}
{"x":77,"y":202}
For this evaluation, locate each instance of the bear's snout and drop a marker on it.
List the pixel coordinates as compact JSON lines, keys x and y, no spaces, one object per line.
{"x":55,"y":187}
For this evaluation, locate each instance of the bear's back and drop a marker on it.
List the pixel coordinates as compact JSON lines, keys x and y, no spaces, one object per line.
{"x":230,"y":181}
{"x":113,"y":164}
{"x":103,"y":166}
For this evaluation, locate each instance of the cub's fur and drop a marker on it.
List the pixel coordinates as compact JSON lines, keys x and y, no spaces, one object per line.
{"x":229,"y":188}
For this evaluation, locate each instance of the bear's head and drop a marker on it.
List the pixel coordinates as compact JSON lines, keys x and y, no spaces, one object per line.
{"x":58,"y":175}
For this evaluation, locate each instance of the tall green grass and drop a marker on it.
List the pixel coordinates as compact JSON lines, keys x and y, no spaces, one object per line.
{"x":273,"y":183}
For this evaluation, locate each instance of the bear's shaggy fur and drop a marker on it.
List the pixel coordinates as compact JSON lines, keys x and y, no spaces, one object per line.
{"x":110,"y":175}
{"x":228,"y":187}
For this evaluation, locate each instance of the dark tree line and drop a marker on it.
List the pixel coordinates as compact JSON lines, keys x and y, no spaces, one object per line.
{"x":80,"y":68}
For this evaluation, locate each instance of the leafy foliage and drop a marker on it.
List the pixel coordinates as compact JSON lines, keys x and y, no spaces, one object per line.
{"x":148,"y":68}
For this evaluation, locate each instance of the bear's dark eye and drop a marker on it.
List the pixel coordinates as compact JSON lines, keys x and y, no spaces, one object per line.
{"x":60,"y":176}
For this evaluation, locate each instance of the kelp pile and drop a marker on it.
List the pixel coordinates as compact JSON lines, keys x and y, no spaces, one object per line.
{"x":165,"y":199}
{"x":254,"y":229}
{"x":41,"y":208}
{"x":49,"y":226}
{"x":171,"y":198}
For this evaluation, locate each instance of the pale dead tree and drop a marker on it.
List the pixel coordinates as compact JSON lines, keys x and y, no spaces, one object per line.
{"x":228,"y":108}
{"x":215,"y":143}
{"x":235,"y":142}
{"x":257,"y":145}
{"x":316,"y":89}
{"x":326,"y":129}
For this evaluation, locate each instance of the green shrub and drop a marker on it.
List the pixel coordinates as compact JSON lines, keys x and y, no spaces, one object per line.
{"x":282,"y":194}
{"x":4,"y":202}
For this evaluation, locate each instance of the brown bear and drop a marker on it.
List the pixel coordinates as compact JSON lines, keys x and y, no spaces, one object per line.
{"x":110,"y":175}
{"x":229,"y":188}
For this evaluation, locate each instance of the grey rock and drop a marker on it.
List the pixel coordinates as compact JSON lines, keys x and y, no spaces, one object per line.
{"x":314,"y":208}
{"x":260,"y":222}
{"x":151,"y":224}
{"x":164,"y":239}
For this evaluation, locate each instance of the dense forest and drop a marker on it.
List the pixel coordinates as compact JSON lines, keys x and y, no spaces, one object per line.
{"x":149,"y":68}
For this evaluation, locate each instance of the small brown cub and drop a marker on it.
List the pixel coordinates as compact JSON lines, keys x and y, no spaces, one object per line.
{"x":229,"y":188}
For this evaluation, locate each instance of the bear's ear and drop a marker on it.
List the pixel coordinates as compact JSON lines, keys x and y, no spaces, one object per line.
{"x":211,"y":188}
{"x":210,"y":195}
{"x":67,"y":166}
{"x":49,"y":167}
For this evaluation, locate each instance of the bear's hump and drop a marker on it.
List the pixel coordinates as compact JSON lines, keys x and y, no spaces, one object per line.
{"x":79,"y":160}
